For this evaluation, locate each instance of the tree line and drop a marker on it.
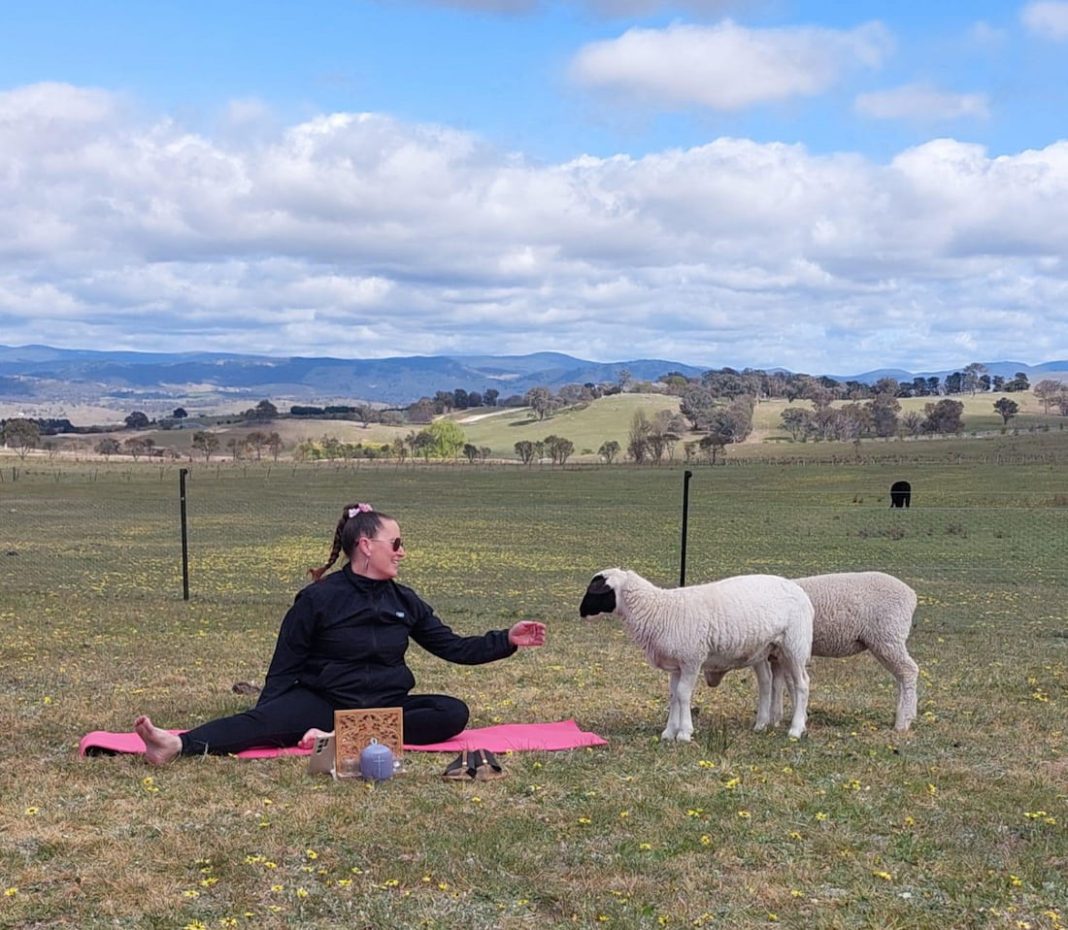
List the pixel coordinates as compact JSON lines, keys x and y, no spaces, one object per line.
{"x":719,"y":405}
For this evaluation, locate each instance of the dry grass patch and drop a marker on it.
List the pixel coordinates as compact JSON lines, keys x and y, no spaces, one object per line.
{"x":959,"y":823}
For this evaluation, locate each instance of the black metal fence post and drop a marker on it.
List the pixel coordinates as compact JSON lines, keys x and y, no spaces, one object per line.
{"x":686,"y":476}
{"x":182,"y":472}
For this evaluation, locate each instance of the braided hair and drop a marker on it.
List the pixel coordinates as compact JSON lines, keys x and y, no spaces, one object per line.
{"x":357,"y":521}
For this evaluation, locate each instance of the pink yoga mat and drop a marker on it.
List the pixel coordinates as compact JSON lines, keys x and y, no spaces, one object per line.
{"x":504,"y":737}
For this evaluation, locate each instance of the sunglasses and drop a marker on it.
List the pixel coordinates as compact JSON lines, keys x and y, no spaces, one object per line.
{"x":395,"y":544}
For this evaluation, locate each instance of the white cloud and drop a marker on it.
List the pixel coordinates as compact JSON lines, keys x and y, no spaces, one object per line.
{"x":1047,"y":18}
{"x":727,"y":66}
{"x":922,"y":102}
{"x":357,"y":234}
{"x":984,"y":35}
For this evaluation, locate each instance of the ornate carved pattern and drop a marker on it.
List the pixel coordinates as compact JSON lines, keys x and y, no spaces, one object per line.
{"x":354,"y":730}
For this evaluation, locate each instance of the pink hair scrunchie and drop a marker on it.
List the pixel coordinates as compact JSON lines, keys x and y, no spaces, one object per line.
{"x":360,"y":508}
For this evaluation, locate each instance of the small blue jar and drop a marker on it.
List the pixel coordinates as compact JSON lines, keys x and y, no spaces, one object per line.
{"x":376,"y":762}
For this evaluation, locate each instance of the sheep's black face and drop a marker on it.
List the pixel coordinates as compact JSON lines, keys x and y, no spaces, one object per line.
{"x":599,"y":598}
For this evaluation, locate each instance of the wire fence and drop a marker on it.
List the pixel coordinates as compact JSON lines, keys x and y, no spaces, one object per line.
{"x":253,"y":532}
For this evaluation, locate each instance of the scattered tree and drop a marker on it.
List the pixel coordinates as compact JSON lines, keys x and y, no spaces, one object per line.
{"x":135,"y":446}
{"x":422,"y":411}
{"x":973,"y":377}
{"x":22,"y":435}
{"x":137,"y":420}
{"x":422,"y":443}
{"x":712,"y":445}
{"x":236,"y":445}
{"x":697,"y":405}
{"x":525,"y":450}
{"x":912,"y":422}
{"x":608,"y":451}
{"x":559,"y":449}
{"x":448,"y":438}
{"x":257,"y":440}
{"x":1007,"y":408}
{"x":944,"y":417}
{"x":1048,"y":391}
{"x":541,"y":402}
{"x":884,"y":409}
{"x":108,"y":447}
{"x":205,"y":442}
{"x":794,"y":421}
{"x":638,"y":438}
{"x":1019,"y":382}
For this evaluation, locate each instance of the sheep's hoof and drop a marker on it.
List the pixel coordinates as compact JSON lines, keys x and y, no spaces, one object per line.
{"x":796,"y":735}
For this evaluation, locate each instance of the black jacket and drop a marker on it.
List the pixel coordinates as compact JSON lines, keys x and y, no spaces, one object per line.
{"x":345,"y":637}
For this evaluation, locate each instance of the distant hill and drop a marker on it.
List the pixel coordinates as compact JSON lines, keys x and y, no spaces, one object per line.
{"x":1057,"y":370}
{"x":42,"y":373}
{"x":149,"y":380}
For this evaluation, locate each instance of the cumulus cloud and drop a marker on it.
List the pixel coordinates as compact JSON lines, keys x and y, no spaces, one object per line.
{"x":727,"y":66}
{"x":1048,"y":18}
{"x":922,"y":102}
{"x":357,"y":234}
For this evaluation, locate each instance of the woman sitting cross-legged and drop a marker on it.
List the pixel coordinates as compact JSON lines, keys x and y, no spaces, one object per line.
{"x":342,"y":646}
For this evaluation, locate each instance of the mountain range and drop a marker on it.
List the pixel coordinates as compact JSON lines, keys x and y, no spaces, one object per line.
{"x":39,"y":374}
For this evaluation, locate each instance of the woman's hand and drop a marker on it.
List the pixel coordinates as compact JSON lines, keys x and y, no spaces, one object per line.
{"x":307,"y":741}
{"x":527,"y":633}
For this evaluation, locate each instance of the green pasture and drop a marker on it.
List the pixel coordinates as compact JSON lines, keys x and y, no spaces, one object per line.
{"x":960,"y":823}
{"x":587,"y":426}
{"x":603,"y":420}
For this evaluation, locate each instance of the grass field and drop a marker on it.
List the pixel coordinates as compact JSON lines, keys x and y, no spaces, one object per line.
{"x":960,"y":823}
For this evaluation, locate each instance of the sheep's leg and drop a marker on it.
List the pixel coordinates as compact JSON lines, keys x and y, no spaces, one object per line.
{"x":777,"y":679}
{"x":896,"y":660}
{"x":797,"y":677}
{"x":685,"y":681}
{"x":673,"y":714}
{"x":765,"y":686}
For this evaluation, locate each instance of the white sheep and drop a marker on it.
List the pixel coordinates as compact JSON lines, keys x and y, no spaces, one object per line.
{"x":857,"y":611}
{"x":712,"y":628}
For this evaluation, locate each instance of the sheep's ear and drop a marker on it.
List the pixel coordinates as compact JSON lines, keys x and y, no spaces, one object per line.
{"x":600,"y":598}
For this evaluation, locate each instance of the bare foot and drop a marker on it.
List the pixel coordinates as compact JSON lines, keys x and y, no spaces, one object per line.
{"x":161,"y":746}
{"x":307,"y":741}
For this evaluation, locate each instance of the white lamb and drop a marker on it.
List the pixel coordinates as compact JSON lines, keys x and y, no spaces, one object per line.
{"x":712,"y":628}
{"x":855,"y":611}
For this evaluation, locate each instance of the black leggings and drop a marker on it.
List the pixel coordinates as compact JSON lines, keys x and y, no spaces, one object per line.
{"x":282,"y":721}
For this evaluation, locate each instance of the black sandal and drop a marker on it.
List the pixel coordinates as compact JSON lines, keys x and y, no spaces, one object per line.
{"x":461,"y":768}
{"x":486,"y":766}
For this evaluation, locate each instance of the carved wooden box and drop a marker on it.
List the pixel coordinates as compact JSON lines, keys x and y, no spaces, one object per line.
{"x":354,"y":730}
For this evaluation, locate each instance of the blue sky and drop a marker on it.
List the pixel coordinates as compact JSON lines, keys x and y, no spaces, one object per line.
{"x":821,"y":186}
